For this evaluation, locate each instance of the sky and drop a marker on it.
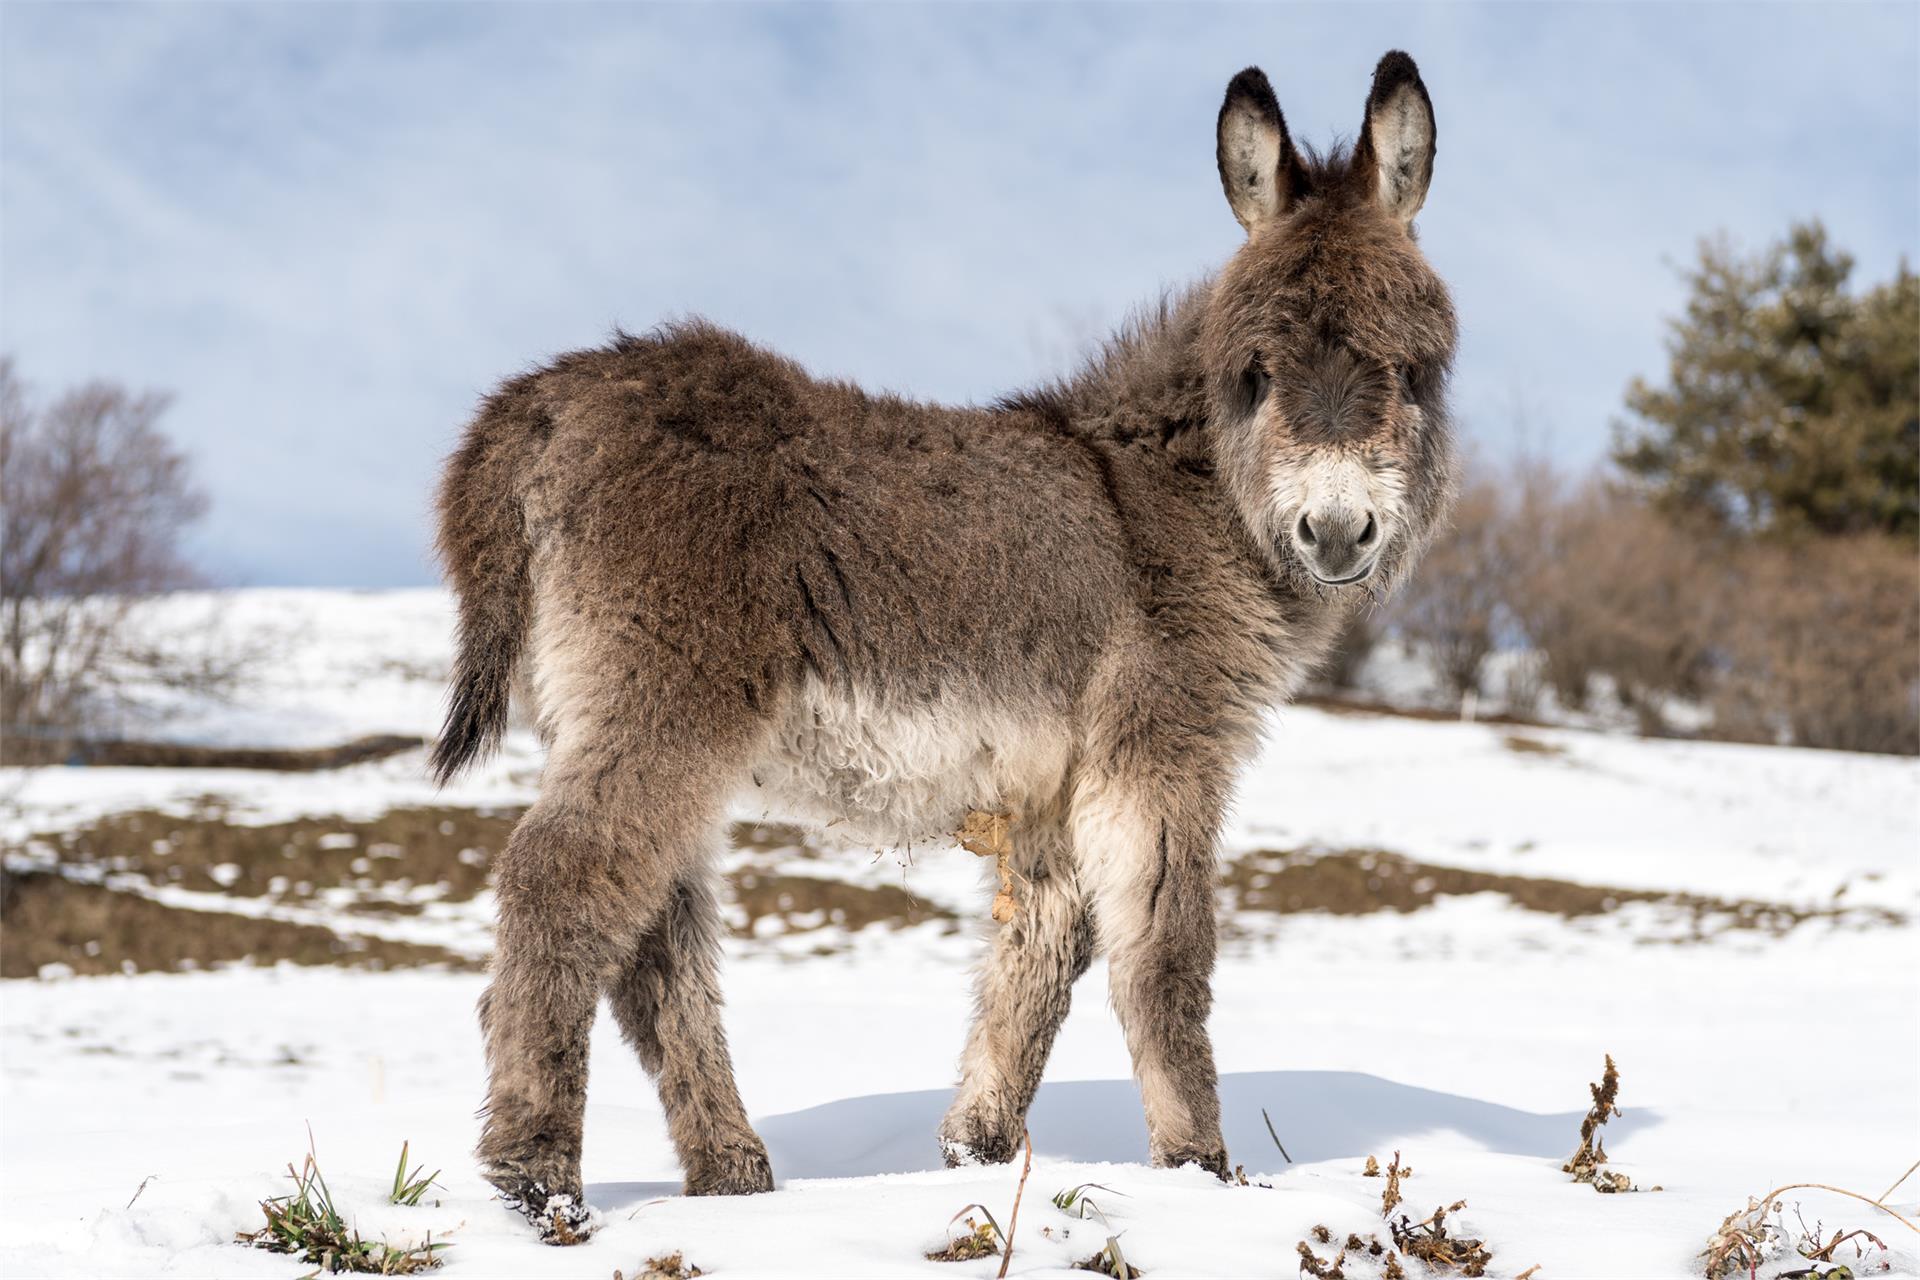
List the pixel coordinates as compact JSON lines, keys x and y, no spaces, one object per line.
{"x":329,"y":228}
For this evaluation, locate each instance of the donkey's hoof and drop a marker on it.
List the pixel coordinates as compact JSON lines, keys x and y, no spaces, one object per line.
{"x":565,"y":1221}
{"x":968,"y":1142}
{"x":731,"y":1171}
{"x":560,"y":1218}
{"x":1214,"y":1161}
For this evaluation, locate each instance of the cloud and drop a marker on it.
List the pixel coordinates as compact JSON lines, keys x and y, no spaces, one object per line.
{"x":330,"y":229}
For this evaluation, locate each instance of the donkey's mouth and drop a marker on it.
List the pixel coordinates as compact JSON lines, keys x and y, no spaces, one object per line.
{"x":1347,"y":581}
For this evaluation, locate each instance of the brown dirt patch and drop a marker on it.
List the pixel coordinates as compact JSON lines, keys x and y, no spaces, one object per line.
{"x":1340,"y":705}
{"x":174,"y":755}
{"x":46,"y":918}
{"x":806,"y":903}
{"x":1359,"y":882}
{"x":772,"y":837}
{"x":292,"y":861}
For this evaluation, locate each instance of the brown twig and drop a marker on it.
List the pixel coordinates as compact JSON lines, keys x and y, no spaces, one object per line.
{"x":1771,"y":1196}
{"x":1275,"y":1136}
{"x":1882,"y":1198}
{"x":1013,"y":1219}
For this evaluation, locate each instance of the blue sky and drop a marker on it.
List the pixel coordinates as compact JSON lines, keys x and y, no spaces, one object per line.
{"x":329,"y":228}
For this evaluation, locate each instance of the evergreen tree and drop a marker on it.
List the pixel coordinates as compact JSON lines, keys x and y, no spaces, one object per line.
{"x":1792,"y":405}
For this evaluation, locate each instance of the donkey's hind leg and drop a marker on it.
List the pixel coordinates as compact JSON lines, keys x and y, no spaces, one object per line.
{"x":622,"y":819}
{"x":571,"y":900}
{"x":1021,"y":997}
{"x":666,"y":997}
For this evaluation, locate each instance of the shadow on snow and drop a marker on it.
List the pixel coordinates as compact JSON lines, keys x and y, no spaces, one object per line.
{"x":1319,"y":1115}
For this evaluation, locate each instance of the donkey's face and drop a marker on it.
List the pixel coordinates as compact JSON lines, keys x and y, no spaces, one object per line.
{"x":1329,"y":338}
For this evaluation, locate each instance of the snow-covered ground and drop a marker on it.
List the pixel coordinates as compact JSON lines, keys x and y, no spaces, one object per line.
{"x":1461,"y":1032}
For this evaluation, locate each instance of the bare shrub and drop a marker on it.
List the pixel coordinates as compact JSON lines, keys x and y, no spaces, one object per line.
{"x":1814,"y":641}
{"x":1609,"y":587}
{"x":1452,"y":608}
{"x":96,"y":501}
{"x":1824,"y":649}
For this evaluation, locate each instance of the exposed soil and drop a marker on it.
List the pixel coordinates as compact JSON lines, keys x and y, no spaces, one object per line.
{"x":772,"y":837}
{"x":804,"y":903}
{"x":47,"y":919}
{"x":1359,"y":882}
{"x":393,"y":866}
{"x":1344,"y":705}
{"x":173,"y":755}
{"x":292,"y":861}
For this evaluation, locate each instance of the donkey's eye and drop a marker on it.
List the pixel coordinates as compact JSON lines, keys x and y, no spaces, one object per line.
{"x":1255,"y":384}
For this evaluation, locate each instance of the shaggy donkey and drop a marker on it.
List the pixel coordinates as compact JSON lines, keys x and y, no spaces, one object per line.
{"x":724,"y":575}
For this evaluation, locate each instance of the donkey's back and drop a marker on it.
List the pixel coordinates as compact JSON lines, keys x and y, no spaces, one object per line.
{"x":693,"y":510}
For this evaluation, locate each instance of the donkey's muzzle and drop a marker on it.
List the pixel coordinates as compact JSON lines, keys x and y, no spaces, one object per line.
{"x":1338,"y":543}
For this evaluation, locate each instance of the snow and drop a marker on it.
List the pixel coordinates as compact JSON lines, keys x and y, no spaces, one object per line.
{"x":1462,"y":1035}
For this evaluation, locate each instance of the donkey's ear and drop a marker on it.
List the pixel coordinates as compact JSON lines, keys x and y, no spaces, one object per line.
{"x":1258,"y":167}
{"x":1395,"y":153}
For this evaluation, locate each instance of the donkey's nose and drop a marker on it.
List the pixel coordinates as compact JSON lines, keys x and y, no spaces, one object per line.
{"x":1338,"y":542}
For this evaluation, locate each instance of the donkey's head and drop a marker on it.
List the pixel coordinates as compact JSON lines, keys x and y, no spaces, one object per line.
{"x":1329,"y":338}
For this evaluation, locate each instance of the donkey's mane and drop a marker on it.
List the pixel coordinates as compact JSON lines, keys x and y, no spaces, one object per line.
{"x":1326,"y":170}
{"x":1143,"y":378}
{"x":1146,"y":379}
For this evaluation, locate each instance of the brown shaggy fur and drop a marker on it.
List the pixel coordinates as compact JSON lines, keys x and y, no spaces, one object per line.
{"x":726,"y":576}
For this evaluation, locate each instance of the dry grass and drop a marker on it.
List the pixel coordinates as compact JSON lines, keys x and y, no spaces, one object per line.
{"x":1432,"y":1242}
{"x":1751,"y":1235}
{"x":1108,"y":1260}
{"x":984,"y":1239}
{"x":306,"y":1223}
{"x":672,"y":1266}
{"x":1584,"y":1164}
{"x":1390,"y":1195}
{"x":981,"y":1239}
{"x":1366,"y":1255}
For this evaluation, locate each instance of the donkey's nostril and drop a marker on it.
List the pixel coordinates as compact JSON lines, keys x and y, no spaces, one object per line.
{"x":1305,"y":530}
{"x":1372,"y":530}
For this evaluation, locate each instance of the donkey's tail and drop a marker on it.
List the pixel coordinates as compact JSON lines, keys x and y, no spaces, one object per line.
{"x":483,"y":543}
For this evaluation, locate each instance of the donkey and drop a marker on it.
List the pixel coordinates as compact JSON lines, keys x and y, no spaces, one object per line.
{"x":726,"y":577}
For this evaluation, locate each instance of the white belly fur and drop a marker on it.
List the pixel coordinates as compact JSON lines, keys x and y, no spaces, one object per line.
{"x":889,"y":776}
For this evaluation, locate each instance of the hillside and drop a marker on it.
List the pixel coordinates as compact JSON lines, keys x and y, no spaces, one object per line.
{"x":1434,"y":935}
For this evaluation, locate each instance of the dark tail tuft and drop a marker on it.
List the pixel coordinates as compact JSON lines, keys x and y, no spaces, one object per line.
{"x":483,"y":543}
{"x":477,"y":702}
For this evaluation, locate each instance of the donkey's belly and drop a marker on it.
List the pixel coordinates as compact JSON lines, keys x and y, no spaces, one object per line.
{"x":889,"y":775}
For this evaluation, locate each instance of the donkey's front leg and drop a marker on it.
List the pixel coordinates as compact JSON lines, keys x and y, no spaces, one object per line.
{"x":1146,"y":849}
{"x":1024,"y":988}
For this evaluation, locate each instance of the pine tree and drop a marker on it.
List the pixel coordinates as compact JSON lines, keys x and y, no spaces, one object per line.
{"x":1792,"y":405}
